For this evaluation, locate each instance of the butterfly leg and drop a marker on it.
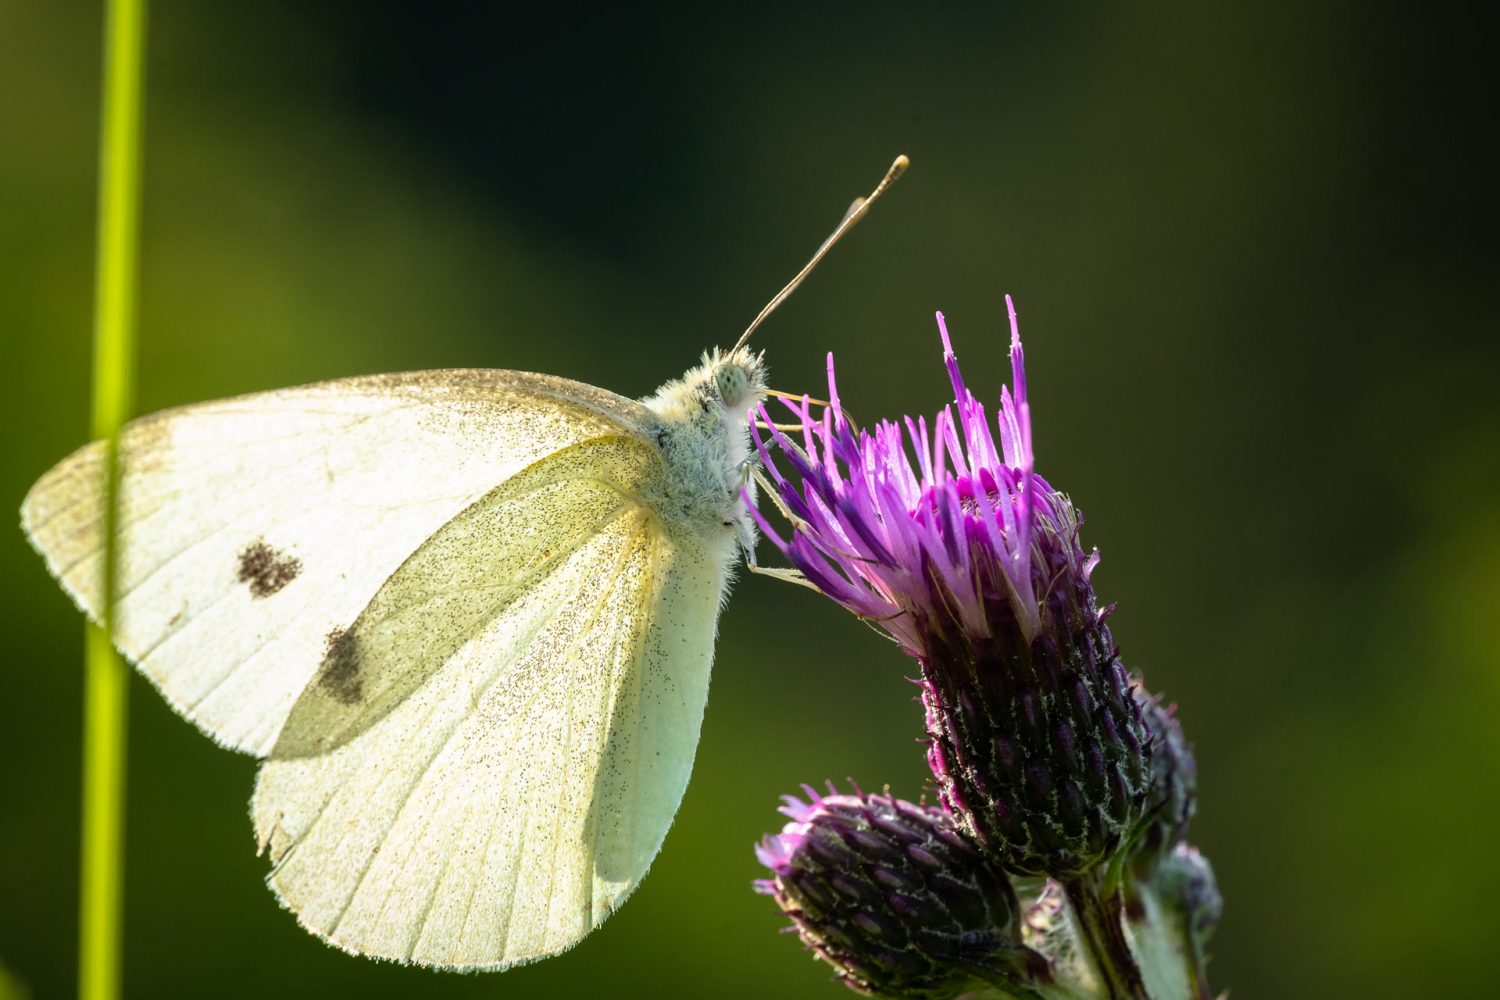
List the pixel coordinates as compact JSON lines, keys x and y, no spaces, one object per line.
{"x":775,"y":573}
{"x":747,"y":535}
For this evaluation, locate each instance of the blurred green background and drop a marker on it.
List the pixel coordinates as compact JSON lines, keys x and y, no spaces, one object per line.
{"x":1254,"y":253}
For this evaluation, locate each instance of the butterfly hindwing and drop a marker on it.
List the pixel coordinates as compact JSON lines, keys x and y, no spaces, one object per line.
{"x":500,"y":809}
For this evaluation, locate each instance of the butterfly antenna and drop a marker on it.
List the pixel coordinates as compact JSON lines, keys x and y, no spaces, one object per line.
{"x":856,"y":212}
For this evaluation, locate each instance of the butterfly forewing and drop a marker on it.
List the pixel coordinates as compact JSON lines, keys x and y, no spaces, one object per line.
{"x":253,"y":531}
{"x":497,"y":551}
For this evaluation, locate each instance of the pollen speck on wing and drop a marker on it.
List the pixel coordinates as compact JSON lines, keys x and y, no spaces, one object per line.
{"x":265,"y":570}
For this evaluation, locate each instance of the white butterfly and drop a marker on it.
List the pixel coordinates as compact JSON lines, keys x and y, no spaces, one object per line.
{"x":465,"y":617}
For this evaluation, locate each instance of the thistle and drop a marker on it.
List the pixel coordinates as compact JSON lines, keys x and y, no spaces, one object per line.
{"x":895,"y":898}
{"x":1186,"y":880}
{"x":972,"y":562}
{"x":1049,"y":759}
{"x":1172,"y":916}
{"x":1172,"y":798}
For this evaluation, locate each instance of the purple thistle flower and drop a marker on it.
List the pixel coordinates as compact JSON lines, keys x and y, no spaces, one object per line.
{"x":972,"y":562}
{"x":895,"y":897}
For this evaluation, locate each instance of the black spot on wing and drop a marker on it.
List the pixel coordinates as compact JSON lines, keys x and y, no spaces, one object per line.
{"x":339,"y":675}
{"x":266,"y":570}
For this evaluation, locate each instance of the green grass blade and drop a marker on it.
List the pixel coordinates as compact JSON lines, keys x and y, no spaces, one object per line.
{"x":106,"y":681}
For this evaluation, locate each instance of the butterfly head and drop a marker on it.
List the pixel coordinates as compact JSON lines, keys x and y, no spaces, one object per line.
{"x":739,"y":379}
{"x":720,"y":391}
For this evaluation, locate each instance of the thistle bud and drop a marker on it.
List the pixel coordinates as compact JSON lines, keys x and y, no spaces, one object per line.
{"x":1185,"y":883}
{"x":972,"y":562}
{"x":894,"y":897}
{"x":1172,"y":799}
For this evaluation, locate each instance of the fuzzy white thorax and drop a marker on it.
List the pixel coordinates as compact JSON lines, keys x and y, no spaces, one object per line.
{"x":704,"y":436}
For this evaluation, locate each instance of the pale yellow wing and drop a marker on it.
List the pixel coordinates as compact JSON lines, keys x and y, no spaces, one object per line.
{"x":489,"y":758}
{"x":254,"y":529}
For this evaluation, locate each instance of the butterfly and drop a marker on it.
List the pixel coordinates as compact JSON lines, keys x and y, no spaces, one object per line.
{"x":464,"y":618}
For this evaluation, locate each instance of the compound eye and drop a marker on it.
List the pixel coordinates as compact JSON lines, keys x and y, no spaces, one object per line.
{"x":733,"y":383}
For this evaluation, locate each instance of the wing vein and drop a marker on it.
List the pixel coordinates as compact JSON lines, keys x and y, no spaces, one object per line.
{"x":432,"y":894}
{"x":400,"y":809}
{"x":635,"y":738}
{"x":626,"y":550}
